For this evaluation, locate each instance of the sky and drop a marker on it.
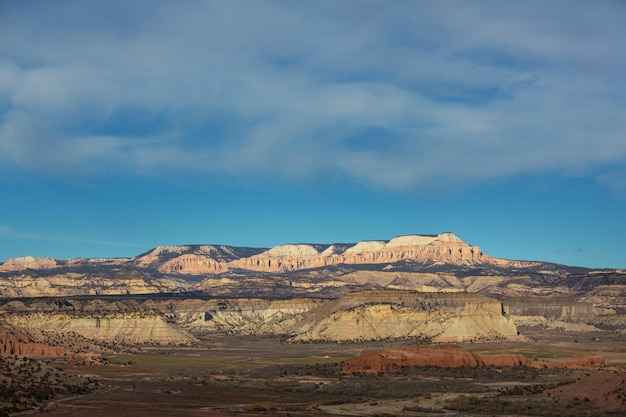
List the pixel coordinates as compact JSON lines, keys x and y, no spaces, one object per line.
{"x":129,"y":125}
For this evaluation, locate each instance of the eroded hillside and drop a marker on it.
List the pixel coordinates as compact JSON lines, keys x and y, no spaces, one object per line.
{"x":371,"y":315}
{"x":305,"y":291}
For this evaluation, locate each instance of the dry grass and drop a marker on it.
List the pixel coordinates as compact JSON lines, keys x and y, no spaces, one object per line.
{"x":261,"y":376}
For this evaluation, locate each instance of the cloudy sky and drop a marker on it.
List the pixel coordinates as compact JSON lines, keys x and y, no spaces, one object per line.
{"x":128,"y":125}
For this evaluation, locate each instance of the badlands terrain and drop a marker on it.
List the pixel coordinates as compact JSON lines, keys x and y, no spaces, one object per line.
{"x":312,"y":329}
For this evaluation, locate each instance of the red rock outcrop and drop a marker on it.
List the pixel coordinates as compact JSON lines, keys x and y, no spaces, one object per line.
{"x":14,"y":343}
{"x":28,"y":262}
{"x":451,"y":356}
{"x":217,"y":259}
{"x":445,"y":247}
{"x":193,"y":264}
{"x":585,"y":361}
{"x":445,"y":356}
{"x":504,"y":360}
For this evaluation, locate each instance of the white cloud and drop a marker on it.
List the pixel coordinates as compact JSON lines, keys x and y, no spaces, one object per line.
{"x":614,"y":179}
{"x":4,"y":230}
{"x":402,"y":95}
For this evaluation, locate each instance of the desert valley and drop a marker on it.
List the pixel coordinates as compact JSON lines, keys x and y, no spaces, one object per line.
{"x":418,"y":325}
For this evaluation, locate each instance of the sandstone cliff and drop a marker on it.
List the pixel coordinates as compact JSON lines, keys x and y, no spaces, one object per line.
{"x":397,"y":314}
{"x":193,"y":259}
{"x":445,"y":247}
{"x":240,"y":316}
{"x":424,"y":263}
{"x":368,"y":315}
{"x":440,"y":253}
{"x":218,"y":259}
{"x":440,"y":262}
{"x":554,"y":313}
{"x":28,"y":262}
{"x":86,"y":281}
{"x":15,"y":343}
{"x":131,"y":327}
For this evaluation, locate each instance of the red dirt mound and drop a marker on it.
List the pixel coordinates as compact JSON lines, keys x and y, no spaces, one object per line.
{"x":445,"y":355}
{"x":504,"y":359}
{"x":450,"y":356}
{"x":604,"y":389}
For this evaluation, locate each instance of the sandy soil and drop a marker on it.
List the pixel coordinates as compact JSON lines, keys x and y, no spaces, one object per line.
{"x":264,"y":376}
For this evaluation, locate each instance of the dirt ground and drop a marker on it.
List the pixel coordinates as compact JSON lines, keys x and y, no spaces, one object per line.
{"x":256,"y":376}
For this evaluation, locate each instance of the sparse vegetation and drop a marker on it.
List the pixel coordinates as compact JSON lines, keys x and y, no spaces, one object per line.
{"x":536,"y":407}
{"x":261,"y":375}
{"x":26,"y":383}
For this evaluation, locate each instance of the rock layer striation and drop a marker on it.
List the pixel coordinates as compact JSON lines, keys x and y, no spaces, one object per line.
{"x":445,"y":247}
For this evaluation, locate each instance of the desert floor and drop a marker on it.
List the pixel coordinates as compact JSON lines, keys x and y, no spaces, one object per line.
{"x":254,"y":376}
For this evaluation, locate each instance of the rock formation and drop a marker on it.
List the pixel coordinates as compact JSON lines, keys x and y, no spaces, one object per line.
{"x":86,"y":281}
{"x":369,"y":315}
{"x":28,"y":262}
{"x":138,"y":327}
{"x":449,"y":356}
{"x":569,"y":298}
{"x":239,"y":316}
{"x":440,"y":317}
{"x":555,"y":308}
{"x":218,"y":259}
{"x":445,"y":247}
{"x":16,"y":343}
{"x":193,"y":259}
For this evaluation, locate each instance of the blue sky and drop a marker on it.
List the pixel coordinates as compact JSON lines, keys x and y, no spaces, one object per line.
{"x":128,"y":125}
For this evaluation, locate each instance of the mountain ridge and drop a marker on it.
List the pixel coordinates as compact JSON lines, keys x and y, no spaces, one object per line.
{"x":427,"y":263}
{"x":215,"y":259}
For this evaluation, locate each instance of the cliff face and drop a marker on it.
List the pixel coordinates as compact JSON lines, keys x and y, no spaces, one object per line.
{"x":551,"y":309}
{"x":125,"y":321}
{"x":16,"y":343}
{"x":86,"y":282}
{"x":424,"y":263}
{"x":440,"y":262}
{"x":240,"y":316}
{"x":193,"y":264}
{"x":218,"y":259}
{"x":366,"y":315}
{"x":396,"y":314}
{"x":445,"y":247}
{"x":28,"y":262}
{"x":369,"y":315}
{"x":131,"y":328}
{"x":193,"y":259}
